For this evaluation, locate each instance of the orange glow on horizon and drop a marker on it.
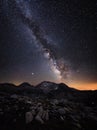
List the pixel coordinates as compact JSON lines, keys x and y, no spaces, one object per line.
{"x":84,"y":86}
{"x":76,"y":85}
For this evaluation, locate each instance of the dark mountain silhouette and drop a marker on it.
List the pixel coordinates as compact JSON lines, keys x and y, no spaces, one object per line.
{"x":51,"y":90}
{"x":25,"y":85}
{"x":8,"y":87}
{"x":47,"y":106}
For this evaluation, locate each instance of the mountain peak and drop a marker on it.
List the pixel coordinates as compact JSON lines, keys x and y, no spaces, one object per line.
{"x":47,"y":86}
{"x":25,"y":84}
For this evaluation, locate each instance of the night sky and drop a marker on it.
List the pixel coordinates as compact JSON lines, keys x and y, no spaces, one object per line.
{"x":54,"y":40}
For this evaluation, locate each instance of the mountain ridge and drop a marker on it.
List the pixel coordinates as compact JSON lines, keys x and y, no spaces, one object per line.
{"x":47,"y":106}
{"x":51,"y":90}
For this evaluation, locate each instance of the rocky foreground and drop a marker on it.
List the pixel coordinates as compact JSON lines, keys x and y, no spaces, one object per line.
{"x":22,"y":112}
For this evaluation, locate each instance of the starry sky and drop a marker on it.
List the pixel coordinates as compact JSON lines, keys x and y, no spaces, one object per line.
{"x":54,"y":40}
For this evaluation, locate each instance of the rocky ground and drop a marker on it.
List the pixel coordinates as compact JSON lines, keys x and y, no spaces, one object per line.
{"x":24,"y":113}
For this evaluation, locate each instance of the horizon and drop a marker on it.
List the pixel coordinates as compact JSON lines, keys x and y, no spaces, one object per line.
{"x":75,"y":86}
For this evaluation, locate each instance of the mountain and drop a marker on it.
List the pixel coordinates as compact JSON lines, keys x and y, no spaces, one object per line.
{"x":51,"y":90}
{"x":47,"y":86}
{"x":25,"y":85}
{"x":8,"y":88}
{"x":47,"y":106}
{"x":25,"y":88}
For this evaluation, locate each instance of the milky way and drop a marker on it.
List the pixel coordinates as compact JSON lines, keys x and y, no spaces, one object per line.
{"x":57,"y":65}
{"x":48,"y":40}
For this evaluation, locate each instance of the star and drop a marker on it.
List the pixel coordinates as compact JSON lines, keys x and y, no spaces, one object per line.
{"x":32,"y":73}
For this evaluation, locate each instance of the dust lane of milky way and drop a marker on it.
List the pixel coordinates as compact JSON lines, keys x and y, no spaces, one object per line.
{"x":57,"y":65}
{"x":53,"y":40}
